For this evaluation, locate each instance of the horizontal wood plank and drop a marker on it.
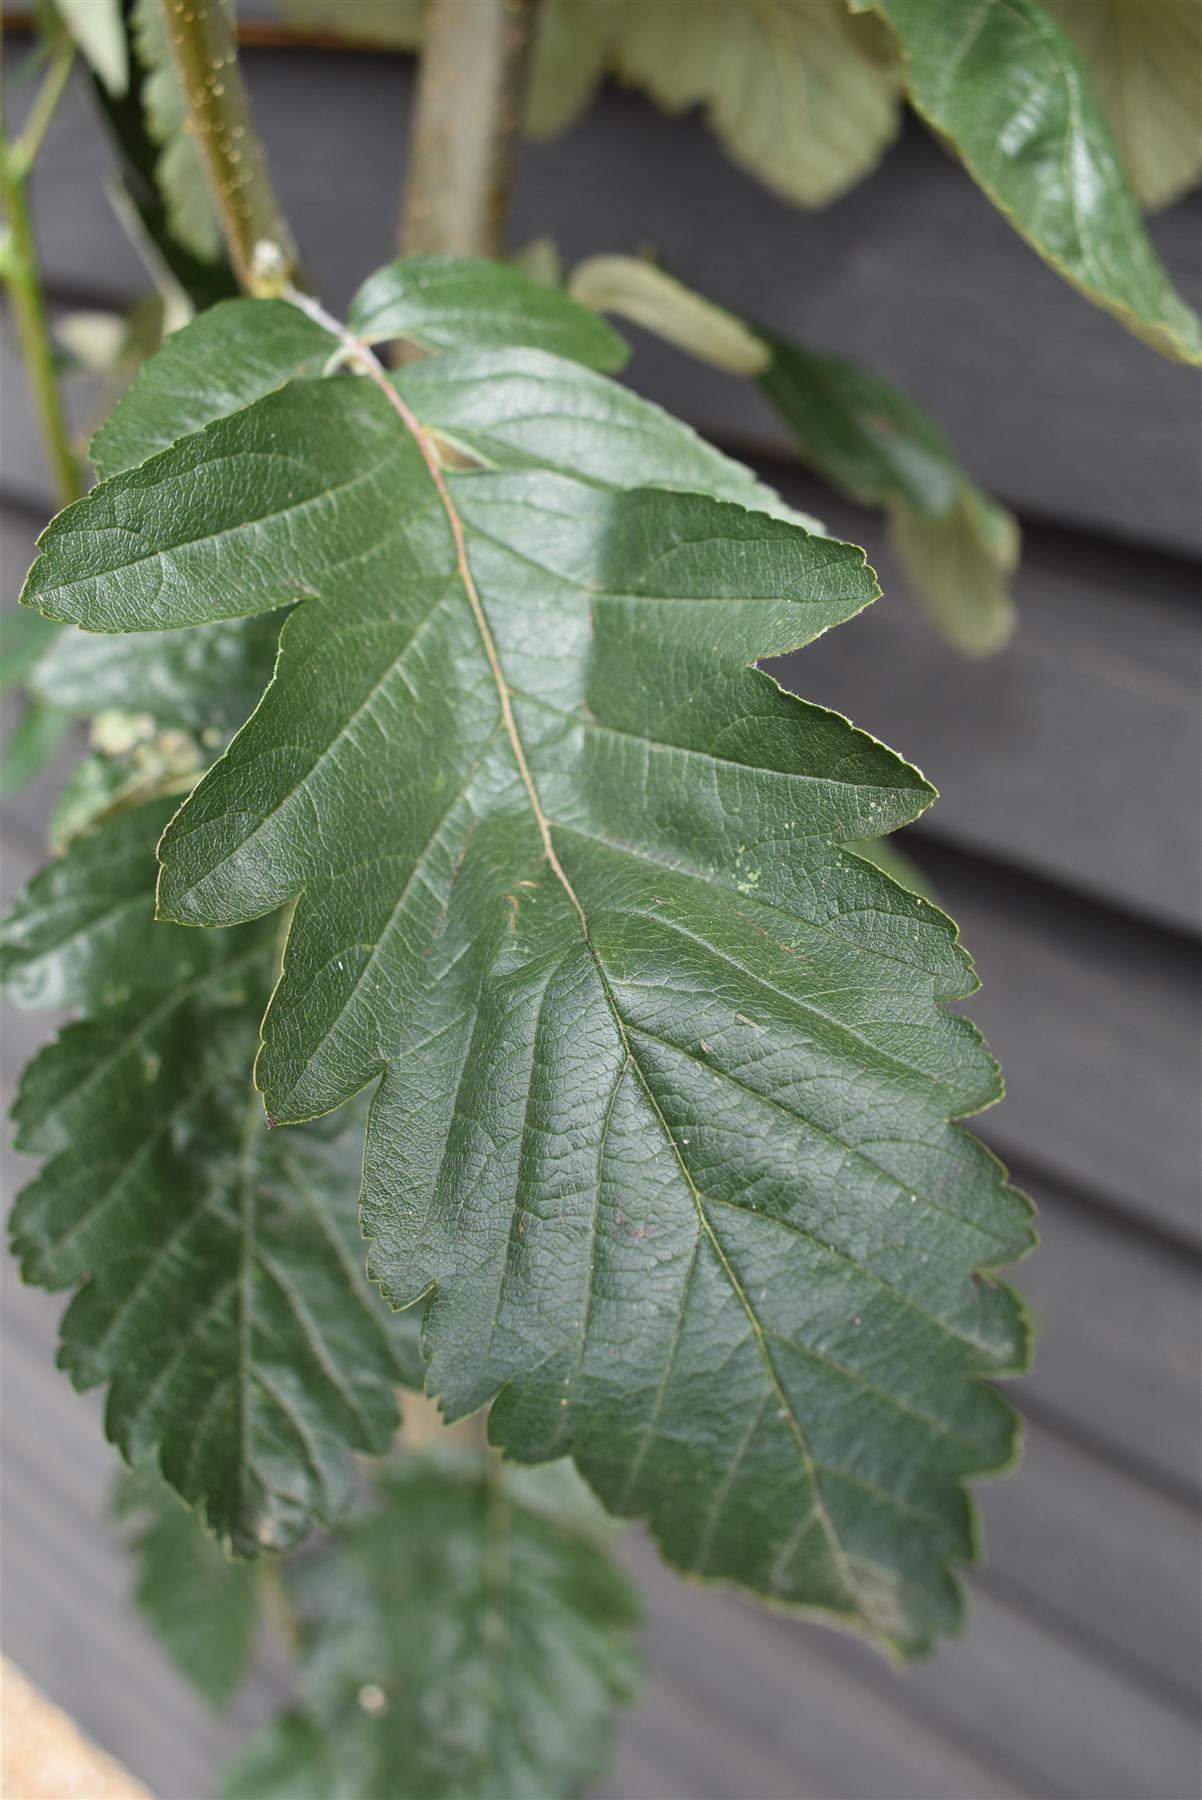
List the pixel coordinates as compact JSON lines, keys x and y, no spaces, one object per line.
{"x":1083,"y":1543}
{"x":1094,"y":1020}
{"x":1118,"y":1358}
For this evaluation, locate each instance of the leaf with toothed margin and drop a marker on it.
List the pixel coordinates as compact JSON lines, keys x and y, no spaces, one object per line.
{"x":217,"y":1268}
{"x":666,"y":1086}
{"x":465,"y":1636}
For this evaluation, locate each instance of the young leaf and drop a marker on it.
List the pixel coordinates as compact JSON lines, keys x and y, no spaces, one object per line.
{"x":99,"y":31}
{"x":665,"y":1090}
{"x":395,"y":24}
{"x":200,"y":1603}
{"x":221,"y":1297}
{"x":454,"y":1642}
{"x":1146,"y":62}
{"x":1005,"y":84}
{"x":638,"y":290}
{"x":871,"y":442}
{"x":799,"y":93}
{"x":441,"y":302}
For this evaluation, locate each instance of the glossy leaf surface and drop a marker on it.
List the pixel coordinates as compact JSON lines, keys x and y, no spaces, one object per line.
{"x":1145,"y":57}
{"x":225,"y":358}
{"x":1005,"y":84}
{"x":665,"y":1087}
{"x":441,"y":302}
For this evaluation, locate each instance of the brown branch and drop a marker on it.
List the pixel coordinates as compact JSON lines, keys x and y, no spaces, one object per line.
{"x":465,"y":130}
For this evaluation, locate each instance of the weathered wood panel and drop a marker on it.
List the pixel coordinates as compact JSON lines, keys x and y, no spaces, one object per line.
{"x":1119,"y":1339}
{"x":1076,"y":753}
{"x":1095,"y":1023}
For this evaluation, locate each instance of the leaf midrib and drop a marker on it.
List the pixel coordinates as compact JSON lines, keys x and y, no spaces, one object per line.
{"x":373,"y":369}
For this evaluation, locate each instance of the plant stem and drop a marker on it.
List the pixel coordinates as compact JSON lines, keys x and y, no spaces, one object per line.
{"x":276,"y":1602}
{"x":256,"y":233}
{"x":465,"y":129}
{"x":22,"y":278}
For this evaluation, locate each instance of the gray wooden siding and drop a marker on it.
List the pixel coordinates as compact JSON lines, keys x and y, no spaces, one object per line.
{"x":1067,"y":844}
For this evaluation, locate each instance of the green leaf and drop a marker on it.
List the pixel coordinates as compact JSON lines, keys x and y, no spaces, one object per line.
{"x":455,"y":1642}
{"x":872,"y":443}
{"x":799,"y":94}
{"x":93,"y":787}
{"x":960,"y":565}
{"x":665,"y":1090}
{"x":1009,"y":89}
{"x":179,"y":171}
{"x":225,"y":358}
{"x":442,"y":302}
{"x":219,"y":1292}
{"x":1145,"y":57}
{"x":99,"y":30}
{"x":201,"y":1605}
{"x":30,"y":744}
{"x":206,"y":681}
{"x":24,"y":636}
{"x":522,"y":409}
{"x":637,"y":290}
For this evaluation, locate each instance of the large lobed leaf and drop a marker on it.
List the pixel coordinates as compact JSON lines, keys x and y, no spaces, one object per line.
{"x":455,"y":1641}
{"x":218,"y":1289}
{"x":1006,"y":85}
{"x":664,"y":1079}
